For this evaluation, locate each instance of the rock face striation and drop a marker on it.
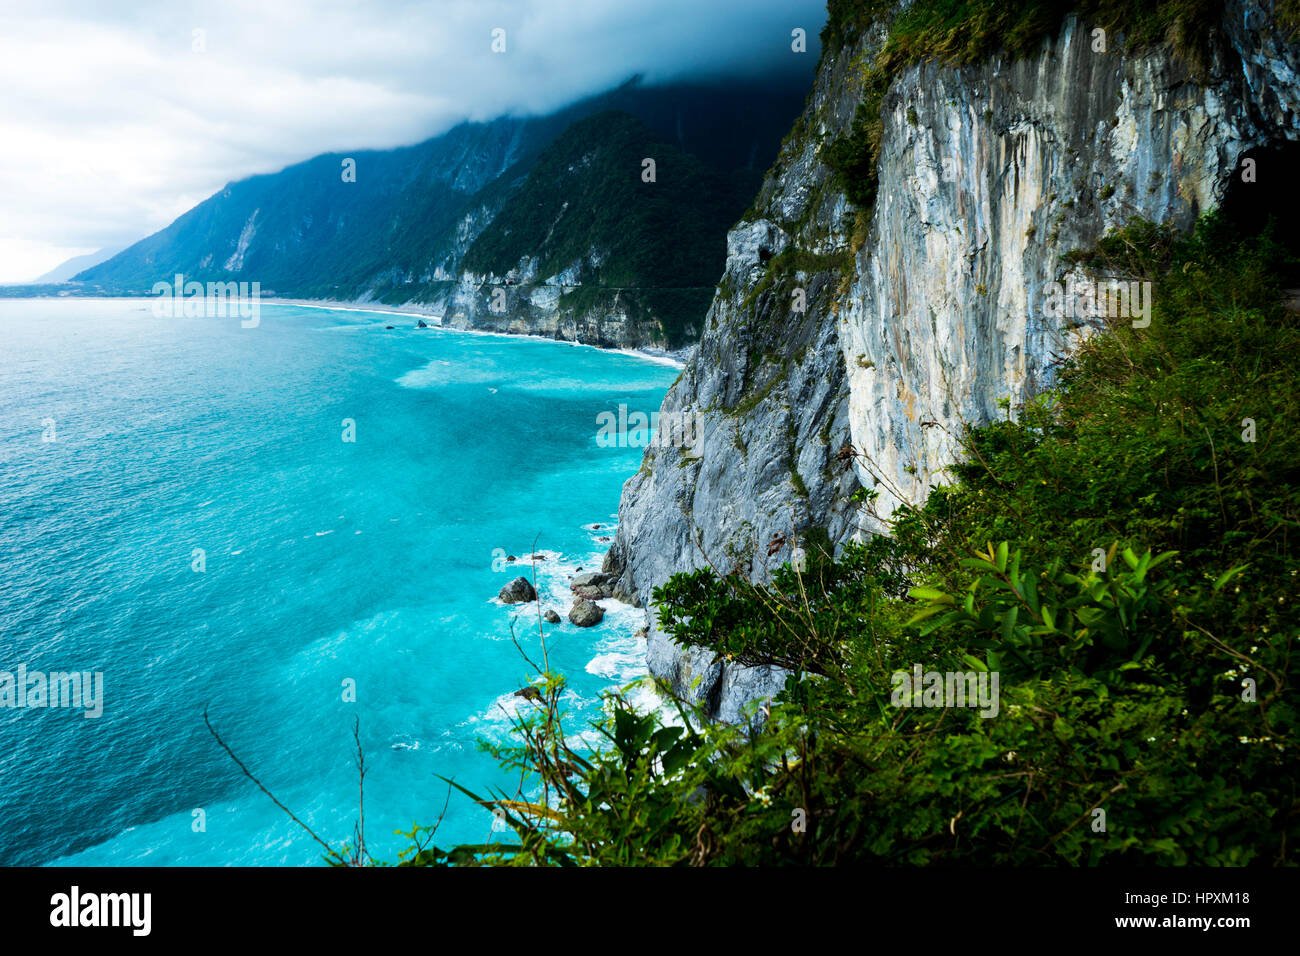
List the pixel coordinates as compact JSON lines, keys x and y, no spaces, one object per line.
{"x":925,"y":312}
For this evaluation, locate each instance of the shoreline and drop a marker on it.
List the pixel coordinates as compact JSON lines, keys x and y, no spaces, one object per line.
{"x":674,"y":358}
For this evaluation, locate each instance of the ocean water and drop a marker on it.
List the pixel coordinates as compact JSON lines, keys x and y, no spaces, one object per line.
{"x":326,"y":564}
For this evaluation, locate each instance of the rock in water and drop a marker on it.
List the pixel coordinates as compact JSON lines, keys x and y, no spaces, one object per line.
{"x":589,"y":579}
{"x":551,"y":617}
{"x":593,"y":585}
{"x":518,"y":591}
{"x":586,"y":613}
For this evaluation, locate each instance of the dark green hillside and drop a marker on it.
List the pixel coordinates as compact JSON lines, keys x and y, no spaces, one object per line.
{"x":585,"y":193}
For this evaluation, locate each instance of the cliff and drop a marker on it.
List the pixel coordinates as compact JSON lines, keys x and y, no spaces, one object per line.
{"x":591,"y":245}
{"x":926,"y":302}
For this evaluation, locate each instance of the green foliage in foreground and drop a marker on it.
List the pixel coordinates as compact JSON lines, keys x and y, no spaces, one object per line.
{"x":1119,"y":555}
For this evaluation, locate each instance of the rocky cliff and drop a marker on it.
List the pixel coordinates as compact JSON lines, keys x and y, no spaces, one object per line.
{"x":847,"y":346}
{"x":614,"y":237}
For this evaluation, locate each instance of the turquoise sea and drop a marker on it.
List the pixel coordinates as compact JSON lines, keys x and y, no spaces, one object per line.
{"x":325,"y":564}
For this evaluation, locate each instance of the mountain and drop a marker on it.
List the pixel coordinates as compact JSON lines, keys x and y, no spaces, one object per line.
{"x":974,"y":540}
{"x":586,"y":215}
{"x":70,"y":268}
{"x":399,"y":232}
{"x":889,"y":287}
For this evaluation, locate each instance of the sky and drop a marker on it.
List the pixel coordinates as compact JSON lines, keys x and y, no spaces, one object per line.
{"x":116,"y":116}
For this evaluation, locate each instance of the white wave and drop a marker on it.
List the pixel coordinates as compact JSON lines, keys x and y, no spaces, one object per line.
{"x":616,"y":665}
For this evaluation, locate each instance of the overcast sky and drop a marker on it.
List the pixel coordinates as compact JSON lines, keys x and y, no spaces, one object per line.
{"x":116,"y":116}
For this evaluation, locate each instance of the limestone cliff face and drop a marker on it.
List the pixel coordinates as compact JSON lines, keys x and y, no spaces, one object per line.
{"x":525,"y":303}
{"x":923,"y":315}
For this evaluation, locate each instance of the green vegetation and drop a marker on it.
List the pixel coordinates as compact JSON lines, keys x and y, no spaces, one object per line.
{"x":663,"y":242}
{"x":782,"y":273}
{"x":963,"y":31}
{"x":681,"y":310}
{"x":852,"y":157}
{"x":1124,"y":555}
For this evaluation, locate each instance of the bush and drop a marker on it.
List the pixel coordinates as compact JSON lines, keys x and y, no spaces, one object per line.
{"x":1135,"y":606}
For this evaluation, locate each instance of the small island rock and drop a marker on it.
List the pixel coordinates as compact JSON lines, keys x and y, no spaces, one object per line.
{"x":518,"y":591}
{"x":586,"y":613}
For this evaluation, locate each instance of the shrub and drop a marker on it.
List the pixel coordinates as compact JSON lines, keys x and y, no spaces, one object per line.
{"x":1135,"y":604}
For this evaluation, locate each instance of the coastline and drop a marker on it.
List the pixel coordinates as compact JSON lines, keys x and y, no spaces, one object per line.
{"x":649,"y":697}
{"x":675,"y":358}
{"x":559,"y":572}
{"x":423,"y":723}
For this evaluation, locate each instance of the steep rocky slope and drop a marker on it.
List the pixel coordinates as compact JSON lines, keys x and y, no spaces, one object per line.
{"x":588,"y":239}
{"x":928,"y":310}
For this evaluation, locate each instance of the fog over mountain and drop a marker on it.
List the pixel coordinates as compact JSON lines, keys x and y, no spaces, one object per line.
{"x":167,"y":103}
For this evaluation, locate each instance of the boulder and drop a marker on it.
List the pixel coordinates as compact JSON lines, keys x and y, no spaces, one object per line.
{"x":590,"y":579}
{"x":551,"y":617}
{"x":518,"y":591}
{"x":529,"y":693}
{"x":421,"y":324}
{"x":586,"y":613}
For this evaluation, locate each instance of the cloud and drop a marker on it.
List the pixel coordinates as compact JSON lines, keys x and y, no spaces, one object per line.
{"x":115,"y":121}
